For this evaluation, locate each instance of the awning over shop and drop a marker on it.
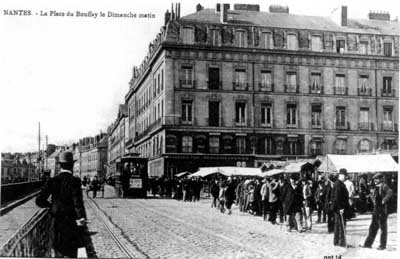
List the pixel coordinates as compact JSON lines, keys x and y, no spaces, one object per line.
{"x":272,"y":172}
{"x":359,"y":163}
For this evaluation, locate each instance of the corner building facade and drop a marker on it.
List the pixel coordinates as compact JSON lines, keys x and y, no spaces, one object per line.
{"x":241,"y":87}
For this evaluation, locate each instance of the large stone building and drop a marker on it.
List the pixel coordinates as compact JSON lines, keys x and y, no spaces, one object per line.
{"x":241,"y":86}
{"x":117,"y":139}
{"x":93,"y":156}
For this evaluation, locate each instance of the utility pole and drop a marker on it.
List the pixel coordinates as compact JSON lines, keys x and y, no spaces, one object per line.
{"x":39,"y":155}
{"x":46,"y":153}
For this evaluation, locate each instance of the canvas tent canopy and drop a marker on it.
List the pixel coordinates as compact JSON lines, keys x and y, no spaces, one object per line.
{"x":272,"y":172}
{"x":359,"y":163}
{"x":297,"y":167}
{"x":227,"y":171}
{"x":182,"y":174}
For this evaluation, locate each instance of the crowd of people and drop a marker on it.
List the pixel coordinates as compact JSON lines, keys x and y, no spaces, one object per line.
{"x":291,"y":201}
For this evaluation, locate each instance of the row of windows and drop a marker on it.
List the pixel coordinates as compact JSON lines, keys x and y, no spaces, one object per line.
{"x":291,"y":42}
{"x":266,"y":82}
{"x":267,"y":145}
{"x":266,"y":115}
{"x":145,"y":98}
{"x":151,"y":148}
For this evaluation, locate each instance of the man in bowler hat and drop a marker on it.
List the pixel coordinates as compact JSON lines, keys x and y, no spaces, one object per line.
{"x":380,"y":197}
{"x":68,"y":215}
{"x":340,"y":207}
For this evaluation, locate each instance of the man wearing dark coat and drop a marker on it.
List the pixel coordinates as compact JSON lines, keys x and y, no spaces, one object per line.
{"x":328,"y":197}
{"x":68,"y":215}
{"x":292,"y":202}
{"x":380,"y":197}
{"x":340,"y":208}
{"x":229,"y":195}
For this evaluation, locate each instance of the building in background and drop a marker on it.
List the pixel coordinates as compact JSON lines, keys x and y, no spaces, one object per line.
{"x":18,"y":167}
{"x":93,"y":156}
{"x":242,"y":86}
{"x":117,"y":138}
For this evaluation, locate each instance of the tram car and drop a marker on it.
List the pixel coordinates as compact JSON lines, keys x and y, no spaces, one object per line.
{"x":131,"y":178}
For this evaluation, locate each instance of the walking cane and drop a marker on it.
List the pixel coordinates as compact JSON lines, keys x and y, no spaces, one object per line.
{"x":344,"y":229}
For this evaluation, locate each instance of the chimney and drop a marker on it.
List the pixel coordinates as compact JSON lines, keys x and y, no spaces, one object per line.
{"x":382,"y":16}
{"x":179,"y":10}
{"x":199,"y":7}
{"x":278,"y":9}
{"x":224,"y":13}
{"x":167,"y":18}
{"x":246,"y":7}
{"x":344,"y":16}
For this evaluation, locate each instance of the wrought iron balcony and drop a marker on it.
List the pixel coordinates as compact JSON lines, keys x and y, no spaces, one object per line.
{"x":340,"y":90}
{"x":240,"y":85}
{"x":365,"y":126}
{"x":364,"y":92}
{"x":389,"y":126}
{"x":386,"y":93}
{"x":291,"y":88}
{"x":293,"y":126}
{"x":187,"y":83}
{"x":266,"y":87}
{"x":214,"y":85}
{"x":317,"y":90}
{"x":342,"y":126}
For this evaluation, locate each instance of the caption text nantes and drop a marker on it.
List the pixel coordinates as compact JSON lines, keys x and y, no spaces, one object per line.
{"x":89,"y":14}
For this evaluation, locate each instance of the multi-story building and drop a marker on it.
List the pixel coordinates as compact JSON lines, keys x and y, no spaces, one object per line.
{"x":242,"y":86}
{"x":17,"y":167}
{"x":93,"y":156}
{"x":117,"y":139}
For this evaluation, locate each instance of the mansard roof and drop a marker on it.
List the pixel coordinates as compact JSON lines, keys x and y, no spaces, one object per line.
{"x":294,"y":21}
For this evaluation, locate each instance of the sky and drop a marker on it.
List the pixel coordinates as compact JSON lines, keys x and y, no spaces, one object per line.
{"x":71,"y":73}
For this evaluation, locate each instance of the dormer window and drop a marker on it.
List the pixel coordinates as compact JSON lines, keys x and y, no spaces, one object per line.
{"x":340,"y":46}
{"x":363,"y":47}
{"x":292,"y":43}
{"x":240,"y":39}
{"x":387,"y":49}
{"x":316,"y":43}
{"x":187,"y":35}
{"x":215,"y":37}
{"x":266,"y":40}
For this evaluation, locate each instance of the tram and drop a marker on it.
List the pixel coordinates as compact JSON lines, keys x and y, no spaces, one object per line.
{"x":131,"y":178}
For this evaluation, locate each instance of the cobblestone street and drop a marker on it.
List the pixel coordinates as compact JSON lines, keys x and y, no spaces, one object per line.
{"x":162,"y":228}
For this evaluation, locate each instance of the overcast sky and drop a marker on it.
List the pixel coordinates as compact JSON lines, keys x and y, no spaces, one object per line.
{"x":71,"y":73}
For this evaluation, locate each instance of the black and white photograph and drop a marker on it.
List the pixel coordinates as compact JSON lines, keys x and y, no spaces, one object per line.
{"x":199,"y":129}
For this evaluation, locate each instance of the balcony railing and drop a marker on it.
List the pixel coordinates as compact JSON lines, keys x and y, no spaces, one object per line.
{"x":291,"y":88}
{"x":364,"y":92}
{"x":214,"y":85}
{"x":340,"y":90}
{"x":342,"y":126}
{"x":316,"y":125}
{"x":240,"y":85}
{"x":316,"y":90}
{"x":389,"y":126}
{"x":187,"y":83}
{"x":385,"y":93}
{"x":266,"y":87}
{"x":365,"y":126}
{"x":293,"y":126}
